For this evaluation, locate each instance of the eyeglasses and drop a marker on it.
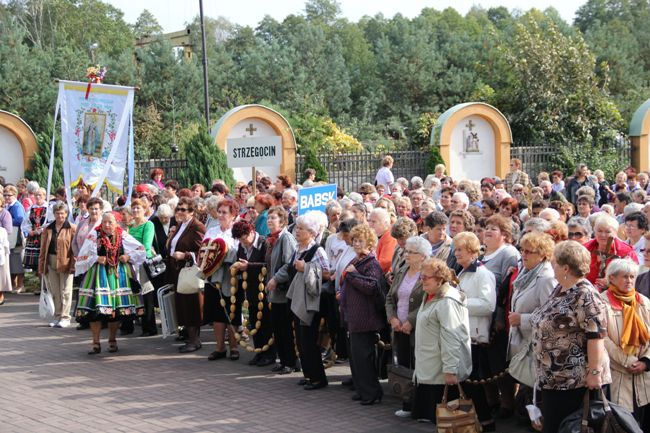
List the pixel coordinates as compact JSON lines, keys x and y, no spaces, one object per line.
{"x":250,"y":207}
{"x":528,"y":252}
{"x":427,"y":277}
{"x":645,"y":250}
{"x":517,"y":190}
{"x":576,"y":235}
{"x":364,"y":193}
{"x":411,"y":252}
{"x":182,"y":209}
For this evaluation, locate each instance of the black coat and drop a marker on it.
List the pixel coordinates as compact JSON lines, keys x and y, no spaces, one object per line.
{"x":160,"y":237}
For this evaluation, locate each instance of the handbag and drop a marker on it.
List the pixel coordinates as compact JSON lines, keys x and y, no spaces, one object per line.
{"x":13,"y":238}
{"x":457,"y":416}
{"x":522,"y":366}
{"x":400,"y":379}
{"x":600,"y":416}
{"x":155,"y":266}
{"x":189,"y":281}
{"x":45,"y":302}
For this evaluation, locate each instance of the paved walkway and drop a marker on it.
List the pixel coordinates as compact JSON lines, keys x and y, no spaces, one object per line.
{"x":49,"y":384}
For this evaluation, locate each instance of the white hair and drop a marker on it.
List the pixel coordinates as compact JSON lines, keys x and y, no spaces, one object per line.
{"x":462,"y":197}
{"x":604,"y":220}
{"x":631,"y":208}
{"x":538,"y":225}
{"x":355,"y":197}
{"x":549,"y":214}
{"x":417,"y":180}
{"x":617,"y":266}
{"x":419,"y":244}
{"x":107,"y":206}
{"x":312,"y":221}
{"x":382,"y":214}
{"x":290,"y":193}
{"x":32,"y":187}
{"x":164,"y":210}
{"x":431,"y":181}
{"x":212,"y":202}
{"x":608,"y":209}
{"x":403,"y":181}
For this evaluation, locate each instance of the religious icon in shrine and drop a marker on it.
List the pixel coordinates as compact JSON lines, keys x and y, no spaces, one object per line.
{"x":470,"y":139}
{"x":93,"y":133}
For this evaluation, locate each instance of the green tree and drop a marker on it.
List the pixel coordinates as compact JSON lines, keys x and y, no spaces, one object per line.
{"x":205,"y":162}
{"x":40,"y":164}
{"x":146,"y":25}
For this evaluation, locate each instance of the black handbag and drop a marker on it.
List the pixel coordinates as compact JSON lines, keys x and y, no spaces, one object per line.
{"x":600,"y":417}
{"x":400,"y":379}
{"x":155,"y":266}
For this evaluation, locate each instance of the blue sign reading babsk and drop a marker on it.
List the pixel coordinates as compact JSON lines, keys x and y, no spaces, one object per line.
{"x":315,"y":197}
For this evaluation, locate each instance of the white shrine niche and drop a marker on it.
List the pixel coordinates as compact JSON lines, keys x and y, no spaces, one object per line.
{"x":12,"y":166}
{"x":252,"y":127}
{"x":472,"y":149}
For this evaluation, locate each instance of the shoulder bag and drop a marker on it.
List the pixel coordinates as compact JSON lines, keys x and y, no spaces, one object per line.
{"x":600,"y":416}
{"x":457,"y":416}
{"x":400,"y":379}
{"x":189,"y":281}
{"x":522,"y":366}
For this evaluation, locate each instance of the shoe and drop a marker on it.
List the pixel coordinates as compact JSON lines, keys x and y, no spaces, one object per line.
{"x":265,"y":361}
{"x":302,"y":382}
{"x":97,"y":348}
{"x":356,"y":397}
{"x":347,"y":382}
{"x":216,"y":355}
{"x":112,"y":346}
{"x":286,"y":370}
{"x":21,"y":290}
{"x":63,"y":324}
{"x":278,"y":368}
{"x":256,"y":359}
{"x":371,"y":402}
{"x":324,"y":354}
{"x":234,"y":355}
{"x":403,"y":413}
{"x":189,"y":347}
{"x":310,"y":386}
{"x":53,"y":323}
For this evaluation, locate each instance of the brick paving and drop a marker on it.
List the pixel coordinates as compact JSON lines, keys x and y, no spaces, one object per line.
{"x":49,"y":384}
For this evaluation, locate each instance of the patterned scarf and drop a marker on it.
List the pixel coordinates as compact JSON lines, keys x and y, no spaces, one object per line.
{"x":112,"y":248}
{"x":273,"y":238}
{"x":635,"y":333}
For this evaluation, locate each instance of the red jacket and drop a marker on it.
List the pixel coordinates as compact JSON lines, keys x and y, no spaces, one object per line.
{"x":619,"y":248}
{"x":385,"y":250}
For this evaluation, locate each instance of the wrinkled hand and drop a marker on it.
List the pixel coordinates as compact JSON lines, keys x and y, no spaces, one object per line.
{"x":637,"y":367}
{"x":407,"y":328}
{"x":602,"y":282}
{"x":451,"y":379}
{"x":395,"y":324}
{"x":514,"y":319}
{"x":101,"y":260}
{"x":300,"y":265}
{"x":338,"y":296}
{"x":350,"y":268}
{"x":241,"y":265}
{"x":178,"y":255}
{"x":271,"y":285}
{"x":594,"y":382}
{"x":124,"y":258}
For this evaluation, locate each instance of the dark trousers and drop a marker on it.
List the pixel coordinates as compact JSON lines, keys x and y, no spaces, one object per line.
{"x":557,"y":405}
{"x":405,"y":357}
{"x":309,"y":350}
{"x":282,"y":330}
{"x":477,"y":392}
{"x":427,"y":397}
{"x":363,"y":364}
{"x":149,"y":317}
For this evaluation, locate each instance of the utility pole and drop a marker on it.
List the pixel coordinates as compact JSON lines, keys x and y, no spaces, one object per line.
{"x":206,"y":103}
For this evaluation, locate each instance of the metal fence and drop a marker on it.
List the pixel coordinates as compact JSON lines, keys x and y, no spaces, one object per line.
{"x":171,"y":166}
{"x":350,"y":170}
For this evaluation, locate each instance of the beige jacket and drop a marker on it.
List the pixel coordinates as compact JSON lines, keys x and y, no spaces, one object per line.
{"x":622,"y":381}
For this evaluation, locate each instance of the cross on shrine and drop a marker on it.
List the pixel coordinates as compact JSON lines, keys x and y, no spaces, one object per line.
{"x":470,"y":124}
{"x":251,"y":129}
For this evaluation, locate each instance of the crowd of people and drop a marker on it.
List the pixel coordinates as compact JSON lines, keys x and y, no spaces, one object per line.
{"x":454,"y":280}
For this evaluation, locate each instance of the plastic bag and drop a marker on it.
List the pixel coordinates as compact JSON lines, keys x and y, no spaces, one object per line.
{"x":45,"y":303}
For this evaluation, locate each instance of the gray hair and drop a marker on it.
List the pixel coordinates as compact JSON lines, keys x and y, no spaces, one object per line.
{"x":537,"y":224}
{"x":586,"y":190}
{"x":382,"y":214}
{"x":606,"y":221}
{"x":290,"y":193}
{"x":431,"y":182}
{"x":419,"y":244}
{"x":32,"y":187}
{"x":59,"y":206}
{"x":417,"y":182}
{"x":462,"y":197}
{"x":625,"y":266}
{"x":211,"y":202}
{"x":164,"y":210}
{"x":312,"y":221}
{"x":631,"y":208}
{"x":552,"y":214}
{"x":582,"y":224}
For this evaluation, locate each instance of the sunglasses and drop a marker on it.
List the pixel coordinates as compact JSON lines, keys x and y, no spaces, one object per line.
{"x":182,"y":209}
{"x":576,"y":235}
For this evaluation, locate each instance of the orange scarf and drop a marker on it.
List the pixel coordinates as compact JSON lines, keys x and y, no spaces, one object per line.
{"x":635,"y":333}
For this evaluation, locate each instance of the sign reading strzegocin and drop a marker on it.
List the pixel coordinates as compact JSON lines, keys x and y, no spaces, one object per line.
{"x":315,"y":198}
{"x":254,"y":151}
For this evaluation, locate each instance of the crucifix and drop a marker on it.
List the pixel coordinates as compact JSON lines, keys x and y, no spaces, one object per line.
{"x":251,"y":129}
{"x":470,"y":124}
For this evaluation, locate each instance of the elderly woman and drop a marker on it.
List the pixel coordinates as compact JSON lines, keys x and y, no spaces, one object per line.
{"x":33,"y":226}
{"x":478,"y":285}
{"x":143,"y":231}
{"x":579,"y":229}
{"x":402,"y":230}
{"x":605,"y":229}
{"x":219,"y":308}
{"x":307,"y":269}
{"x":362,"y":314}
{"x":106,"y":294}
{"x":426,"y":208}
{"x":56,"y":263}
{"x":211,"y":206}
{"x":183,"y":245}
{"x":628,"y":340}
{"x":442,"y":341}
{"x":402,"y":303}
{"x":17,"y":212}
{"x":280,"y":248}
{"x":403,"y":207}
{"x":262,"y":204}
{"x":162,"y":221}
{"x":250,"y":261}
{"x":568,"y":337}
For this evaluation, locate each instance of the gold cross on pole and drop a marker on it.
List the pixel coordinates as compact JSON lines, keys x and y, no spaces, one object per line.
{"x":251,"y":129}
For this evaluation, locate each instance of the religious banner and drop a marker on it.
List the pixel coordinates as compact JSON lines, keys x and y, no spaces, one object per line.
{"x":96,"y":134}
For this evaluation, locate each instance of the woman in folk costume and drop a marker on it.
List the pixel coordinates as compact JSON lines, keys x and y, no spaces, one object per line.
{"x":33,"y":226}
{"x":108,"y":257}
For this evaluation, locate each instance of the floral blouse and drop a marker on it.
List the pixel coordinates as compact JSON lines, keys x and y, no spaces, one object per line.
{"x":561,"y":328}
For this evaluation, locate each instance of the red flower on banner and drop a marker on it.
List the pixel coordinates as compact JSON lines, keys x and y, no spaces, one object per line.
{"x":94,"y":110}
{"x":111,"y":135}
{"x":77,"y":131}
